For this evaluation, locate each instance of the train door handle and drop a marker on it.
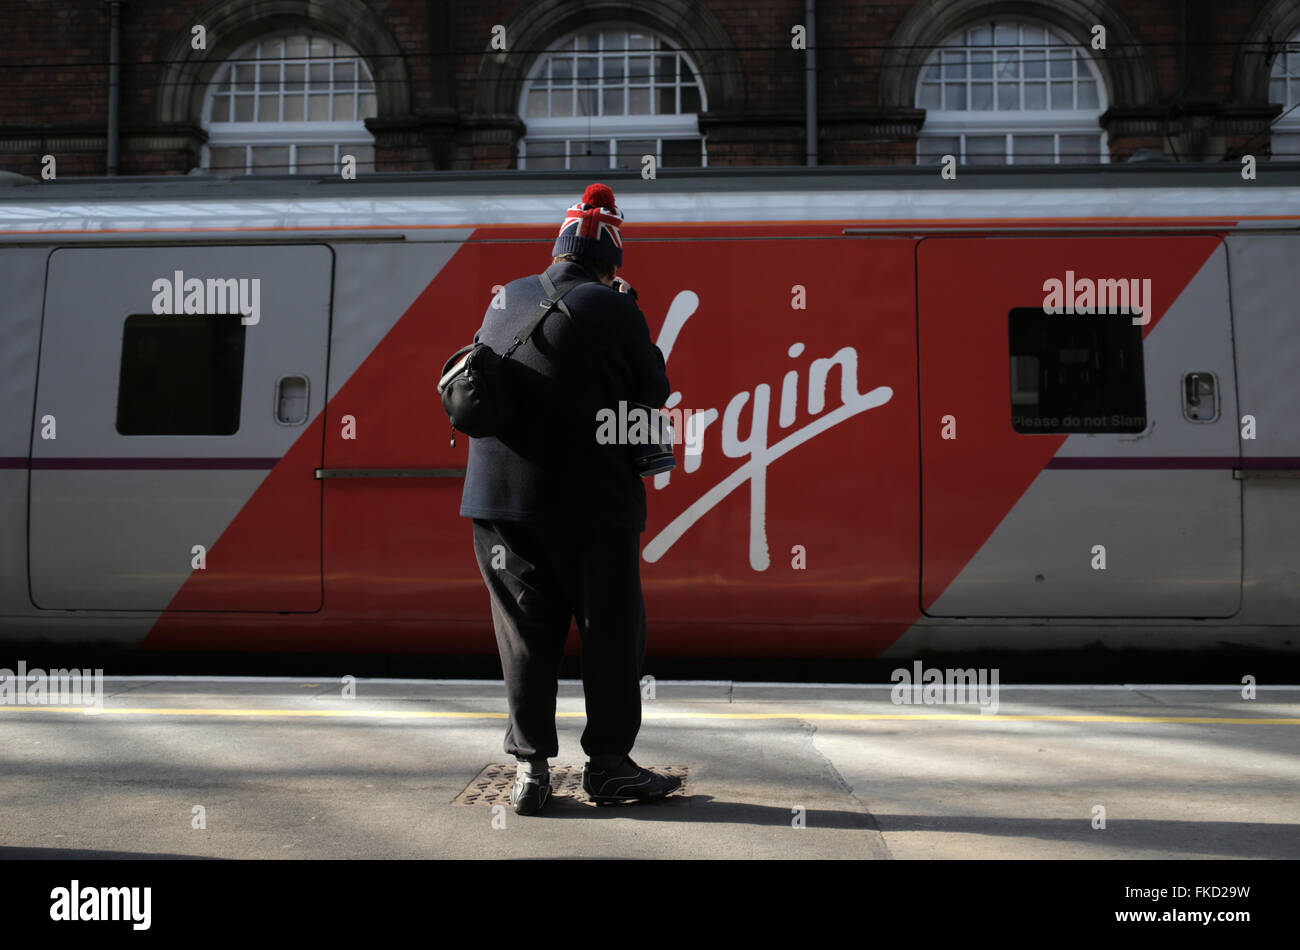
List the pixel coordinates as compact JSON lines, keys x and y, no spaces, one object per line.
{"x":291,"y":400}
{"x":1200,"y":397}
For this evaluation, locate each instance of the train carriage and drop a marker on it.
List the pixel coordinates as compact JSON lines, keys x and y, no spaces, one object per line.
{"x":1027,"y":409}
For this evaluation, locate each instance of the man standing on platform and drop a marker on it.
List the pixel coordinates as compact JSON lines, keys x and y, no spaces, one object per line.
{"x":557,"y":516}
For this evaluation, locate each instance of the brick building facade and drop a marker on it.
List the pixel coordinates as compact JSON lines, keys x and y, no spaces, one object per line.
{"x":426,"y":84}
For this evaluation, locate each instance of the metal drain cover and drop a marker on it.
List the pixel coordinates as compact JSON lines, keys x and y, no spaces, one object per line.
{"x":492,"y":785}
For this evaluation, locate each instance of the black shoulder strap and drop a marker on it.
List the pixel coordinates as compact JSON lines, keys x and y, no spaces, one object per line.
{"x":597,"y":359}
{"x":550,"y":290}
{"x":548,"y":303}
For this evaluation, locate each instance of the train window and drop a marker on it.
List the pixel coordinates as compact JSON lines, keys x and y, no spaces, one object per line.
{"x":180,"y":375}
{"x":1076,"y":372}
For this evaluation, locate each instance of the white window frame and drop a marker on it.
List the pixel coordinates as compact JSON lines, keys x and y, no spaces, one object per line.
{"x":1287,"y":125}
{"x":612,"y":144}
{"x":950,"y":123}
{"x":341,"y":133}
{"x":612,"y":128}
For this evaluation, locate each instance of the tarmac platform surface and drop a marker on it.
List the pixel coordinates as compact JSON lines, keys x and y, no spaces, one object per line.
{"x":280,"y":767}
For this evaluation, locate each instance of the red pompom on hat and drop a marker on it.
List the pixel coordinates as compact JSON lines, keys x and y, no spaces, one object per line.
{"x":598,"y":195}
{"x":591,"y":227}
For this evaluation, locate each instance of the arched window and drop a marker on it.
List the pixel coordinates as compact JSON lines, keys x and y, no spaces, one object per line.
{"x":1010,"y":92}
{"x":603,"y":98}
{"x":289,"y":104}
{"x":1284,"y":87}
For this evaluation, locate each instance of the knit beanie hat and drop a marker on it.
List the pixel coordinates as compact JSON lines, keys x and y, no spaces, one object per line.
{"x":591,"y":227}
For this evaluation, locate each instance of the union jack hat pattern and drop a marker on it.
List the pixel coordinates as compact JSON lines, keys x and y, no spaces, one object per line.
{"x":591,"y":227}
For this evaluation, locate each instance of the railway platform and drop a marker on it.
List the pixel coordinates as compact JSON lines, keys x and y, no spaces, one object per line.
{"x":378,"y":768}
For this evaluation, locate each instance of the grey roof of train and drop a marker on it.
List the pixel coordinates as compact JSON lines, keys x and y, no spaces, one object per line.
{"x":732,"y":178}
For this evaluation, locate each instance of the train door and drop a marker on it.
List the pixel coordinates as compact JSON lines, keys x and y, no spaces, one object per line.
{"x":171,"y":382}
{"x":1265,"y":288}
{"x":1078,"y":463}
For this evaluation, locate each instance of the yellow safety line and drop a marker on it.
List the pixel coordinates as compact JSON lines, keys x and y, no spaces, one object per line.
{"x":439,"y":714}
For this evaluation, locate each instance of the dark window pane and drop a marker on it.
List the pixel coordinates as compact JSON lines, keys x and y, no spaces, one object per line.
{"x":317,"y":159}
{"x":1032,"y":149}
{"x":181,"y":375}
{"x":1076,"y":372}
{"x":986,"y":149}
{"x":612,"y":102}
{"x":589,"y":156}
{"x":1080,"y":148}
{"x":630,"y":152}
